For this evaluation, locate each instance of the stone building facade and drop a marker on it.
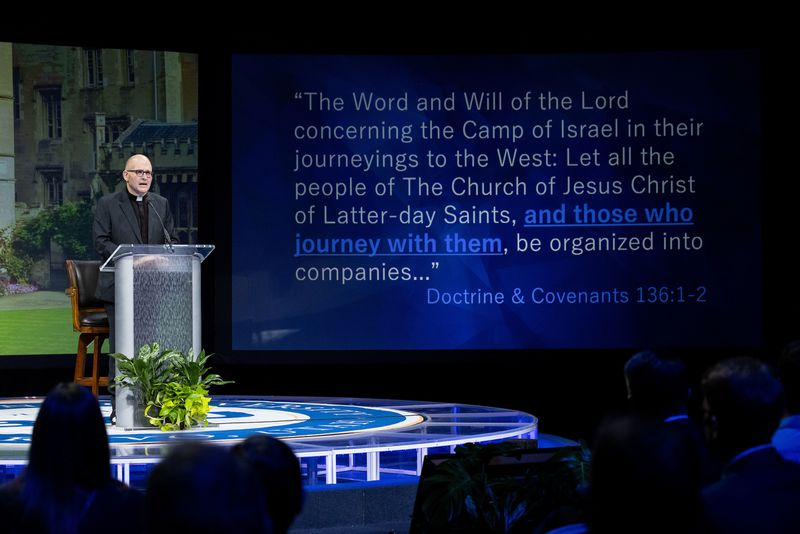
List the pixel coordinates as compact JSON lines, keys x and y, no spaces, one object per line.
{"x":70,"y":116}
{"x":76,"y":111}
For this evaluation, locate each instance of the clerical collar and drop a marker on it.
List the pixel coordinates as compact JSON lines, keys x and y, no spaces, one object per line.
{"x":136,"y":198}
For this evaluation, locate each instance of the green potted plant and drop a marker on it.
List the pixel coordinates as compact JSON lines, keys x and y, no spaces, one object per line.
{"x":504,"y":487}
{"x":171,"y":387}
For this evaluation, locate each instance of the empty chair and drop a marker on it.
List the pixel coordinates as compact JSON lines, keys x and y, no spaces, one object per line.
{"x":89,"y":318}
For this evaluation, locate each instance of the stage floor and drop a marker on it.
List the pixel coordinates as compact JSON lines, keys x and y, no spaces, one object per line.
{"x":336,"y":438}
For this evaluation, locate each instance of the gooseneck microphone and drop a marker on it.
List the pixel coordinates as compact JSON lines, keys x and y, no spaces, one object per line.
{"x":167,"y":238}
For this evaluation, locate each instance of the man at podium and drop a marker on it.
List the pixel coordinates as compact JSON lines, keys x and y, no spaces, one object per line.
{"x":131,"y":216}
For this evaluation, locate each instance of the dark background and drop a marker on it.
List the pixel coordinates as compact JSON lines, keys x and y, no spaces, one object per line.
{"x":568,"y":390}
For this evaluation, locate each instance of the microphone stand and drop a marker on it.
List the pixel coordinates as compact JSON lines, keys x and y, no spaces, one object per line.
{"x":167,"y":238}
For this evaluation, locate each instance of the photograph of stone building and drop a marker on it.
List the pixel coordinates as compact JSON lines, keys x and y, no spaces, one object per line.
{"x":70,"y":117}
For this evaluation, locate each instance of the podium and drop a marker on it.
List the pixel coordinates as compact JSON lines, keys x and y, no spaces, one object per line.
{"x":157,"y":299}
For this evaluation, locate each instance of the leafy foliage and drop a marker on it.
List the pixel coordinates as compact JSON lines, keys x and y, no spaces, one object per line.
{"x":15,"y":267}
{"x":469,"y":493}
{"x":192,"y":371}
{"x":69,"y":225}
{"x":72,"y":229}
{"x":147,"y":372}
{"x":31,"y":238}
{"x":173,"y":386}
{"x":179,"y":406}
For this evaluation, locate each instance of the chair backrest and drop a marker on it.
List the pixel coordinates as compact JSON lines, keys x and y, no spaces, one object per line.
{"x":83,"y":275}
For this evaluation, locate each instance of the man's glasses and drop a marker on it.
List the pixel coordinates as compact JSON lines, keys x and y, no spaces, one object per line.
{"x":140,"y":172}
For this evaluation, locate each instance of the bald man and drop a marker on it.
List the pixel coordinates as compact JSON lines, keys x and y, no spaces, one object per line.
{"x":131,"y":216}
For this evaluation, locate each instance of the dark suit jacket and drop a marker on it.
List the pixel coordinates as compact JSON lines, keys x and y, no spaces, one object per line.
{"x":115,"y":224}
{"x":759,"y":493}
{"x":708,"y":469}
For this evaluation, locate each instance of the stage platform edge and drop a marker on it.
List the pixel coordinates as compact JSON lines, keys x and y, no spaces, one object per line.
{"x":337,"y":439}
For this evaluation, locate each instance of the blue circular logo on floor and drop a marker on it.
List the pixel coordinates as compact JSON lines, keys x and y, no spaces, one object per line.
{"x":232,"y":419}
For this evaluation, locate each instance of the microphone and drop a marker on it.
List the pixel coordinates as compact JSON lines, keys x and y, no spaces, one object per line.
{"x":167,"y":238}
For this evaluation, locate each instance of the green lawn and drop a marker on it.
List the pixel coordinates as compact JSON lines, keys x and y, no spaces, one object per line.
{"x":37,"y":323}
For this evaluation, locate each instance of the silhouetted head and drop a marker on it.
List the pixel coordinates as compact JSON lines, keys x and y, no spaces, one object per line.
{"x":204,"y":489}
{"x":67,"y":461}
{"x":69,"y":445}
{"x":657,"y":385}
{"x":743,"y":404}
{"x":279,"y":471}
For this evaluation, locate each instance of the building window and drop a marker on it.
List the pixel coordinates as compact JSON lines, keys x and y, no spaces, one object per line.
{"x":15,"y":77}
{"x":94,"y":67}
{"x":131,"y":66}
{"x":115,"y":127}
{"x":53,"y":181}
{"x":51,"y":106}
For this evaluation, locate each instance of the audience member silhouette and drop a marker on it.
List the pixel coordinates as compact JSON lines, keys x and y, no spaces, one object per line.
{"x":787,"y":438}
{"x":658,"y":387}
{"x":204,"y":489}
{"x":279,"y":471}
{"x":644,"y":478}
{"x":759,"y":490}
{"x":67,"y":486}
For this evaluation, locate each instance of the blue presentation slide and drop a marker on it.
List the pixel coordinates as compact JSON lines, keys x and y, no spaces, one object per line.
{"x":496,"y":201}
